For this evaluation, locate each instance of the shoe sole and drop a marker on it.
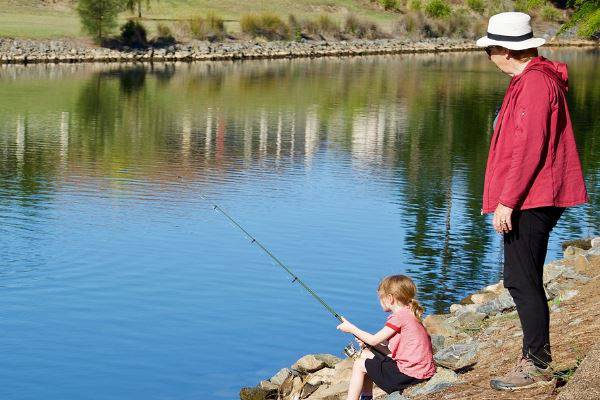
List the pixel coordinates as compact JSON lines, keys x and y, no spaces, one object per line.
{"x":531,"y":386}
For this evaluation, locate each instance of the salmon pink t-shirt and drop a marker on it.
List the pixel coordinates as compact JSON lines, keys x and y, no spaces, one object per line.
{"x":411,"y":345}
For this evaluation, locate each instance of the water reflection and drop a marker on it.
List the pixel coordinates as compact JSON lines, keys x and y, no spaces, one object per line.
{"x":418,"y":124}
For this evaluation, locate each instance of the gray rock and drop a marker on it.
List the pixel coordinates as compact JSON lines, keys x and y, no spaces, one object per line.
{"x":457,"y":356}
{"x":396,"y":396}
{"x":443,"y":379}
{"x":437,"y":342}
{"x":467,"y":320}
{"x":500,"y":304}
{"x":595,"y":242}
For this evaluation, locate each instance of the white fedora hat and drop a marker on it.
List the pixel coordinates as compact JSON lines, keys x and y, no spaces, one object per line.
{"x":511,"y":30}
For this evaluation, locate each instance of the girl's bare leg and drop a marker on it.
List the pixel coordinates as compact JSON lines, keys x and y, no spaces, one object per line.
{"x":360,"y":381}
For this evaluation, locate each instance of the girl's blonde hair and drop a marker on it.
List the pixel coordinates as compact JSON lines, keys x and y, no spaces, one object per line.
{"x":403,"y":289}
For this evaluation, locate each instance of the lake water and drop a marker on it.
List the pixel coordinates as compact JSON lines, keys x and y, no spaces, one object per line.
{"x":119,"y":282}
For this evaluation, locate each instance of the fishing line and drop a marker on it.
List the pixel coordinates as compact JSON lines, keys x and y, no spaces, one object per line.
{"x":295,"y":277}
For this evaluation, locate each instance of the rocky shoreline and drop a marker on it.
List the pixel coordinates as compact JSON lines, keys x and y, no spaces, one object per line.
{"x":478,"y":335}
{"x":21,"y":51}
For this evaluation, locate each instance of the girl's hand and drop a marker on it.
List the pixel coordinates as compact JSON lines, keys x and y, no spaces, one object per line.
{"x":361,"y":343}
{"x":346,"y":326}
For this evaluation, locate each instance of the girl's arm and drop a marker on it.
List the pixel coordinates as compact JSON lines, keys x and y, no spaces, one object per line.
{"x":371,"y":339}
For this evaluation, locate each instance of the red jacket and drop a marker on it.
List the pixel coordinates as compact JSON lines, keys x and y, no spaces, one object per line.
{"x":533,"y":159}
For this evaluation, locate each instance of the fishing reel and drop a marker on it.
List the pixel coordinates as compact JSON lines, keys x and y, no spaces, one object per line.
{"x":350,"y":351}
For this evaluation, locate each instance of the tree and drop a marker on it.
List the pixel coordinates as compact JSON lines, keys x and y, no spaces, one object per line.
{"x":586,"y":17}
{"x":131,"y":5}
{"x":99,"y":17}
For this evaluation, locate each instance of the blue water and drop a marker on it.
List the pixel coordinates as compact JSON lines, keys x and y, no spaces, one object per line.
{"x":119,"y":282}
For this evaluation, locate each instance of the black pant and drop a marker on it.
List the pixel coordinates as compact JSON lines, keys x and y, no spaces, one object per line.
{"x":525,"y":250}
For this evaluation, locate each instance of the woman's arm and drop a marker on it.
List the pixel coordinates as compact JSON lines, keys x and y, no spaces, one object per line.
{"x":371,"y":339}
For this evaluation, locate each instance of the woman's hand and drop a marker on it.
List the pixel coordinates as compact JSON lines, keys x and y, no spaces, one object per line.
{"x":502,"y":219}
{"x":361,"y":343}
{"x":346,"y":326}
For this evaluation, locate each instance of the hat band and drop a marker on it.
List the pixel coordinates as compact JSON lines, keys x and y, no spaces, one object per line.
{"x":503,"y":38}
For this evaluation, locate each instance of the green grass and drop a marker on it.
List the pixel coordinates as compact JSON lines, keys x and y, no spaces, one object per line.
{"x":37,"y":19}
{"x":30,"y":19}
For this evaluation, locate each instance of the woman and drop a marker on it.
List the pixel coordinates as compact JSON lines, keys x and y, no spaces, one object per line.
{"x":533,"y":172}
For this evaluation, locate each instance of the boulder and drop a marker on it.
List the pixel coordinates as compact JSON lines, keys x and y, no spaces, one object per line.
{"x":443,"y":379}
{"x":396,"y":396}
{"x":257,"y":393}
{"x":500,"y":304}
{"x":595,"y":242}
{"x":457,"y":356}
{"x":438,"y":325}
{"x":335,"y":391}
{"x":308,"y":389}
{"x":584,"y":243}
{"x":437,"y":342}
{"x":573,"y":251}
{"x":342,"y":370}
{"x":290,"y":387}
{"x":467,"y":320}
{"x":315,"y":362}
{"x":268,"y":385}
{"x":280,"y":376}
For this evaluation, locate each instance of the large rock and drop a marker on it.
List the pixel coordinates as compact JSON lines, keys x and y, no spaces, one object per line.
{"x":291,"y":387}
{"x":343,"y":370}
{"x":335,"y":391}
{"x":257,"y":393}
{"x":281,"y":376}
{"x":467,"y":320}
{"x":438,"y":325}
{"x":437,"y":342}
{"x":315,"y":362}
{"x":443,"y":379}
{"x":595,"y":242}
{"x":396,"y":396}
{"x":457,"y":356}
{"x":500,"y":304}
{"x":583,"y":244}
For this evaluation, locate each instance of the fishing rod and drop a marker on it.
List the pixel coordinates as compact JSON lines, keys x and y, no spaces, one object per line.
{"x":349,"y":350}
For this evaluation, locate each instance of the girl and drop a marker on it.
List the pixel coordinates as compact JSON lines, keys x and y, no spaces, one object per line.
{"x":410,"y":358}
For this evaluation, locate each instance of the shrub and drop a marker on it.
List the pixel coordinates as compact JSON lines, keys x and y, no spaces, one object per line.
{"x":389,"y":4}
{"x":460,"y":25}
{"x":498,"y":6}
{"x":437,"y":9}
{"x":163,"y":30}
{"x":476,"y":5}
{"x":212,"y":27}
{"x":410,"y":24}
{"x":551,"y":14}
{"x":295,"y":27}
{"x":527,"y":6}
{"x":266,"y":25}
{"x":362,"y":28}
{"x":327,"y":25}
{"x":415,"y":5}
{"x":133,"y":34}
{"x":164,"y":35}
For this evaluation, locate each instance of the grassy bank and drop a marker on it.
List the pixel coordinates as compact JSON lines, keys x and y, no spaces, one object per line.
{"x":396,"y":18}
